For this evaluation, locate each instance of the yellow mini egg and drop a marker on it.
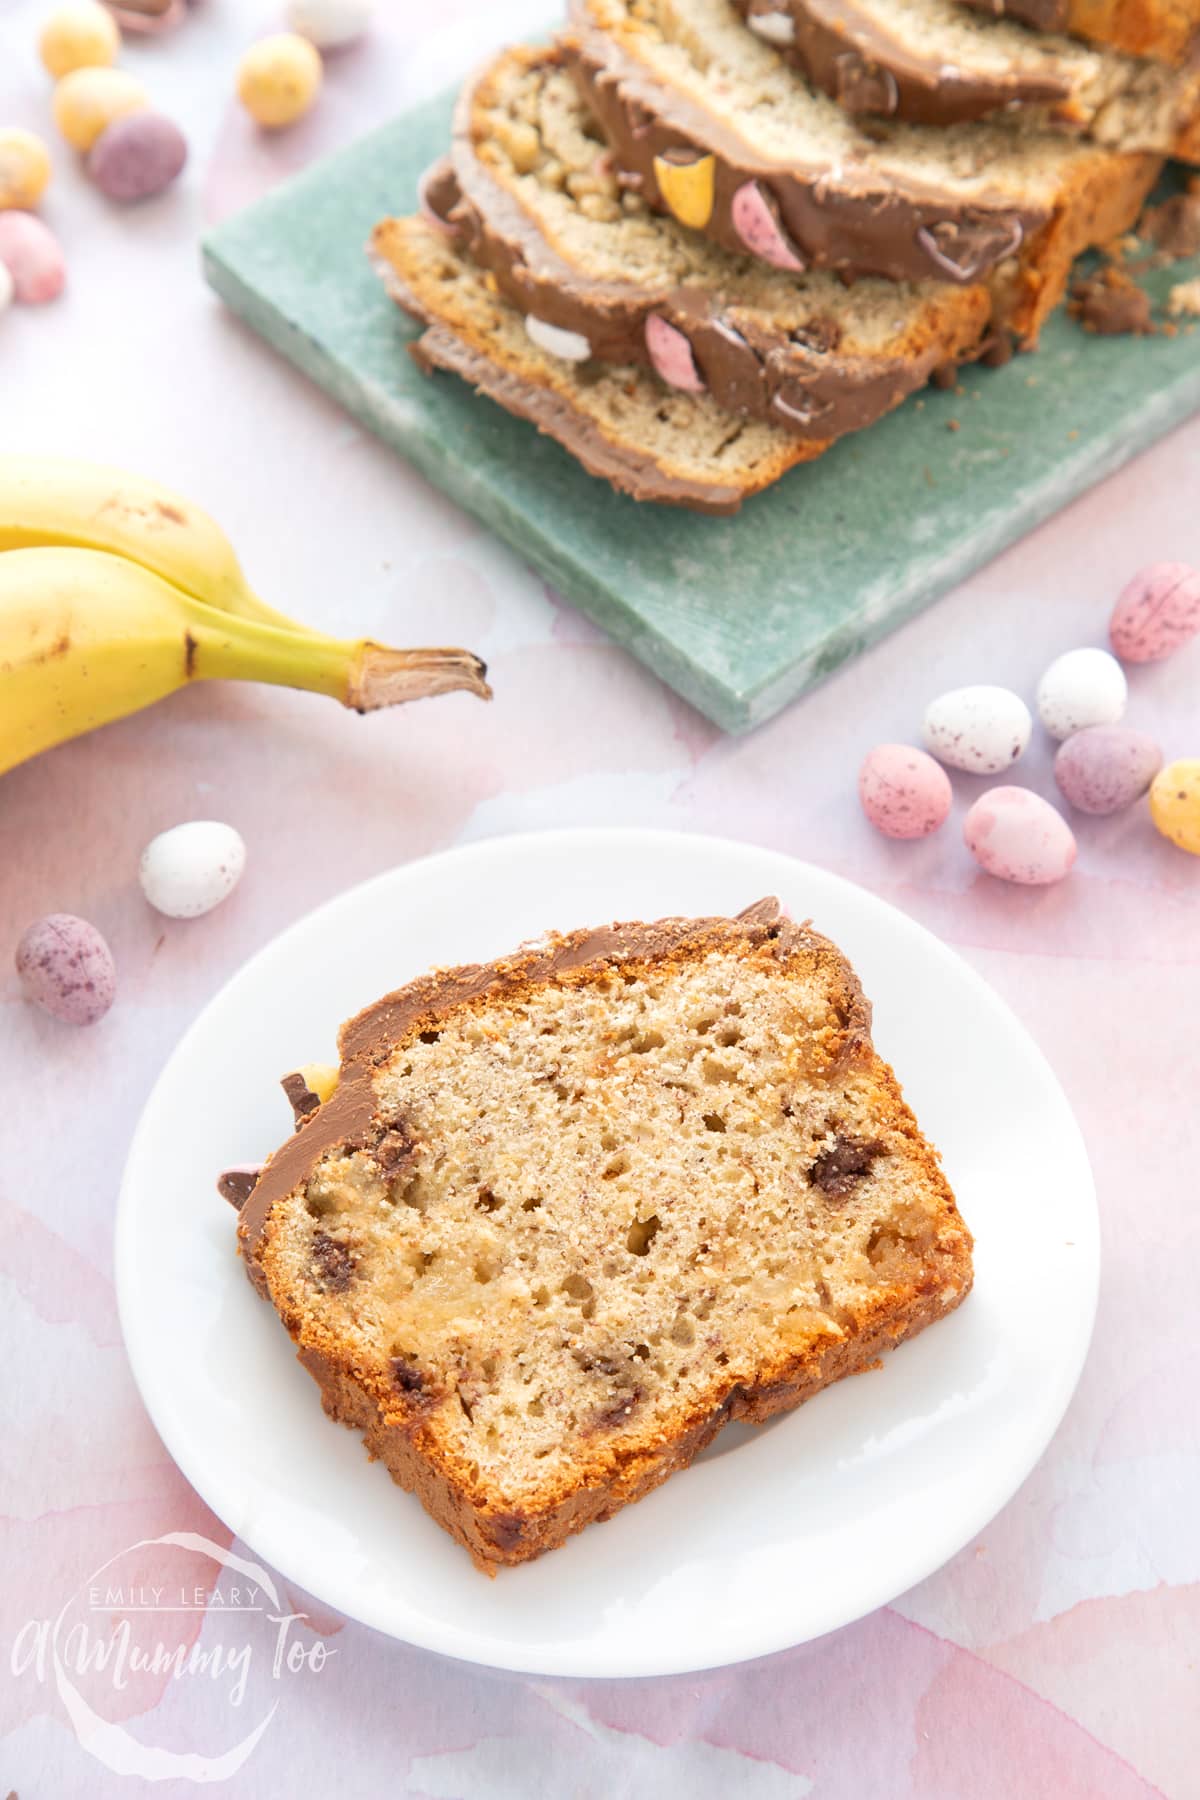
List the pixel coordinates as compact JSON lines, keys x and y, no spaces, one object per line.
{"x":24,"y":168}
{"x":79,"y":35}
{"x":1175,"y":803}
{"x":687,"y":188}
{"x":278,"y":79}
{"x":87,"y":101}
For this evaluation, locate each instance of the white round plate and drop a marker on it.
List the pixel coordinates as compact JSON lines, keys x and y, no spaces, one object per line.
{"x":775,"y":1535}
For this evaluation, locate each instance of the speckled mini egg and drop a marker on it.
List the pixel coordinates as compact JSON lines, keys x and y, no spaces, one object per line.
{"x":1175,"y":803}
{"x":87,"y":101}
{"x":81,"y":34}
{"x":190,"y":869}
{"x":1082,"y":688}
{"x":329,"y":23}
{"x":67,"y":969}
{"x":981,"y":729}
{"x":137,"y":157}
{"x":278,"y":79}
{"x":1017,"y":836}
{"x":1157,"y":613}
{"x":1105,"y":768}
{"x":904,"y":793}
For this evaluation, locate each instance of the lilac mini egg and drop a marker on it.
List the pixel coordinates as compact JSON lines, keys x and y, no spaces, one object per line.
{"x":1157,"y":613}
{"x":1017,"y":836}
{"x":671,"y":354}
{"x":904,"y":793}
{"x":67,"y":969}
{"x":1105,"y":768}
{"x":137,"y":156}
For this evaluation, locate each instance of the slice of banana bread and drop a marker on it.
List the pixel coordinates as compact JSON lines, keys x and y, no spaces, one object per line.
{"x":649,"y":441}
{"x":535,"y":200}
{"x":568,"y":1213}
{"x":713,"y":125}
{"x":1164,"y":29}
{"x":931,"y":62}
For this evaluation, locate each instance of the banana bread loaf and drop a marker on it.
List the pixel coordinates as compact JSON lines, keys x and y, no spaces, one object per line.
{"x":533,"y":198}
{"x":710,"y":123}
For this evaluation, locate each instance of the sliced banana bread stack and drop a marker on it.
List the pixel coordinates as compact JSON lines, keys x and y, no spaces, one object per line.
{"x":697,"y":241}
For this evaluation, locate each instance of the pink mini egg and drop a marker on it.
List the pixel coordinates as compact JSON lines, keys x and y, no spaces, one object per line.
{"x":1017,"y":836}
{"x":1105,"y":768}
{"x":30,"y":252}
{"x":759,"y":229}
{"x":67,"y":969}
{"x":1157,"y":613}
{"x":904,"y":793}
{"x":671,"y":354}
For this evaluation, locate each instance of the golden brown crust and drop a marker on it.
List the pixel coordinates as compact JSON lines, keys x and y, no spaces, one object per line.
{"x":496,"y":1538}
{"x":610,"y":1470}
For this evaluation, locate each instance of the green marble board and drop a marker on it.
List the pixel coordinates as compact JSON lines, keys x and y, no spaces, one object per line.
{"x":739,"y":615}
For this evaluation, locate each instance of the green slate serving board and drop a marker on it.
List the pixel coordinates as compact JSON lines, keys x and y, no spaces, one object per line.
{"x":739,"y":615}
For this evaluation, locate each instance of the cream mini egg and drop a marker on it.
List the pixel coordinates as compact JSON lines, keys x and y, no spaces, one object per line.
{"x":1017,"y":836}
{"x":1157,"y":613}
{"x":190,"y":869}
{"x":1084,"y":687}
{"x":1105,"y":768}
{"x":904,"y":793}
{"x":981,"y":729}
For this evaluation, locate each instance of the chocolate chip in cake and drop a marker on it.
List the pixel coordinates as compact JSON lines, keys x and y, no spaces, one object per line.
{"x":333,"y":1264}
{"x":837,"y":1169}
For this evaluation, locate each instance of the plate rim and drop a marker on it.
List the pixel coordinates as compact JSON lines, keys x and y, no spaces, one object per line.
{"x":452,"y":1641}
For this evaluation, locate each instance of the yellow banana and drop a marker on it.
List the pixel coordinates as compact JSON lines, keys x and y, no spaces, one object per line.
{"x":53,"y":500}
{"x":86,"y":637}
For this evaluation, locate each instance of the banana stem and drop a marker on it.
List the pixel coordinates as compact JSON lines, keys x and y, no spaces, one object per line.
{"x":383,"y":677}
{"x":362,"y":675}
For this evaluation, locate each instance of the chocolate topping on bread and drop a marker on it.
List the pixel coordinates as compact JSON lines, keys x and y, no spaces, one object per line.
{"x":348,"y":1121}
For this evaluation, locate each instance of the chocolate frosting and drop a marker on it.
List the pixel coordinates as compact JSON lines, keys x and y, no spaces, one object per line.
{"x":858,"y":223}
{"x":843,"y":49}
{"x":349,"y":1120}
{"x":803,"y":381}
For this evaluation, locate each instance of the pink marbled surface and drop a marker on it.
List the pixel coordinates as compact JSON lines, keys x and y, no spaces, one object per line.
{"x":1058,"y":1655}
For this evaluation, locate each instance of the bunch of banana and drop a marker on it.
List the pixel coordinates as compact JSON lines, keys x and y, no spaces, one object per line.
{"x":114,"y":592}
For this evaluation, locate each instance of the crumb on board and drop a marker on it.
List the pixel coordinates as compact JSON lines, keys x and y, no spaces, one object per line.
{"x":1109,"y":304}
{"x":1184,"y":299}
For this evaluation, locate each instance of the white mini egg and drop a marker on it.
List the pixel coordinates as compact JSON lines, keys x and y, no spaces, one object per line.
{"x":1082,"y":688}
{"x":329,"y":23}
{"x":190,"y":869}
{"x":556,"y":340}
{"x":981,"y":729}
